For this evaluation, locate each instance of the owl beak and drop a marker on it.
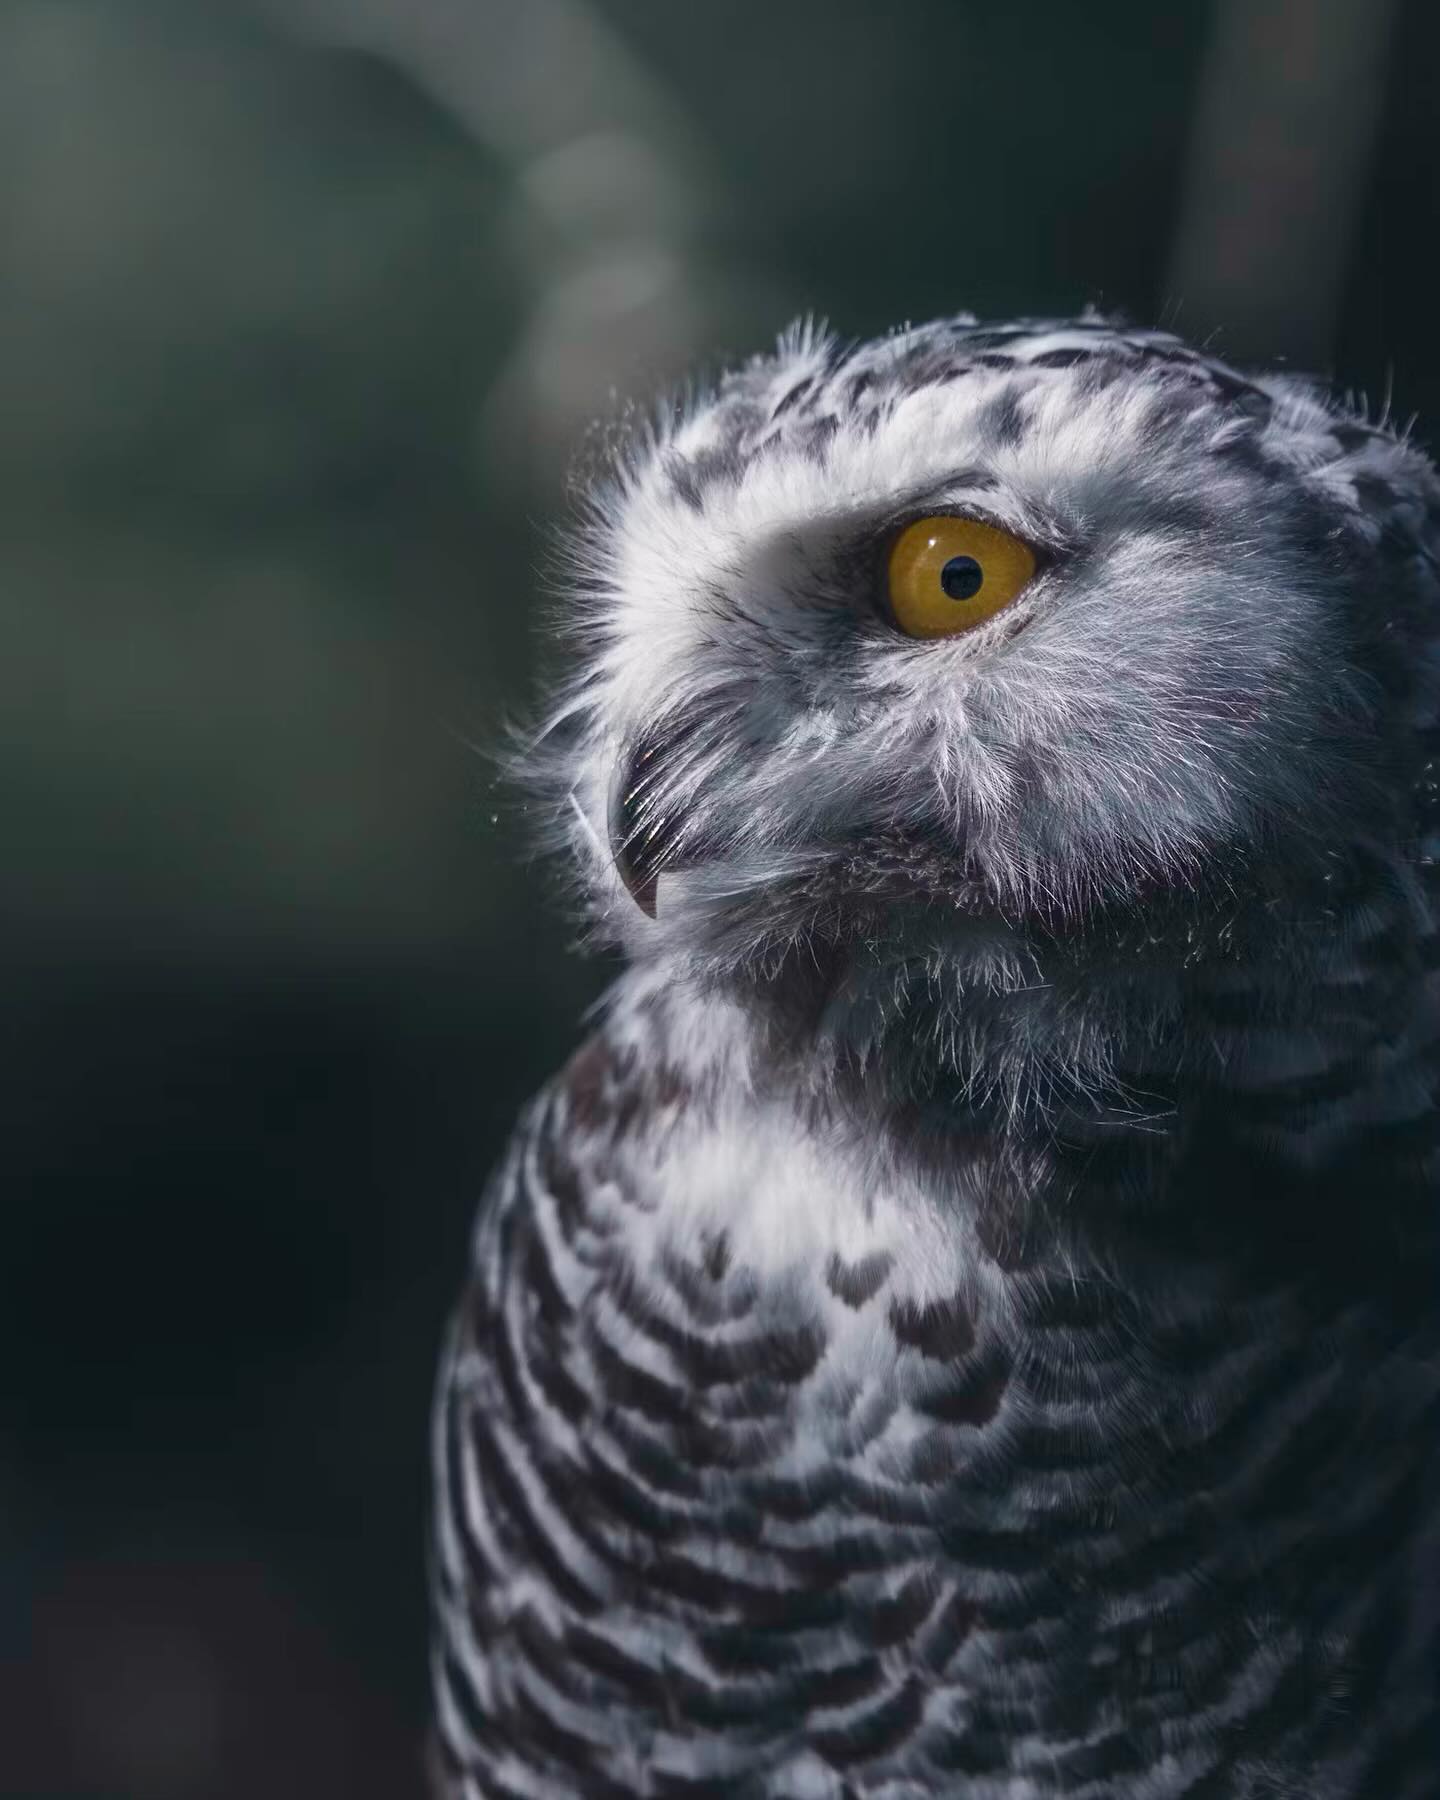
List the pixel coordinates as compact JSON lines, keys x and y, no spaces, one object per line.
{"x":645,"y":820}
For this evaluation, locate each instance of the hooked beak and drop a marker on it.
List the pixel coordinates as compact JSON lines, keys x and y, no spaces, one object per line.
{"x":646,"y":822}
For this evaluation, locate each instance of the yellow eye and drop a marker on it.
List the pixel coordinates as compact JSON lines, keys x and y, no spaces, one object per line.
{"x":948,"y":575}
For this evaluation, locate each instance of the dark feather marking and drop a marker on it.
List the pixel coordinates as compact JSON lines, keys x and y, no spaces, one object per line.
{"x":569,"y":1749}
{"x":708,"y":1300}
{"x":857,"y":1283}
{"x":950,"y":1631}
{"x":553,"y":1307}
{"x":603,"y":1658}
{"x":779,"y":1355}
{"x":507,"y":1490}
{"x":941,"y":1330}
{"x":655,"y":1461}
{"x":1001,"y":421}
{"x":844,"y":1554}
{"x":684,"y":482}
{"x":717,"y":1256}
{"x":708,"y":1443}
{"x":480,"y":1572}
{"x":879,"y":1730}
{"x":736,"y":1649}
{"x":818,"y":437}
{"x":792,"y":396}
{"x":457,"y":1684}
{"x":974,"y":1398}
{"x":678,"y":1574}
{"x":899,"y":1616}
{"x":558,"y":1385}
{"x":669,"y":1786}
{"x":1375,"y":494}
{"x":1005,"y":1236}
{"x":796,"y":1499}
{"x":1350,"y":435}
{"x":635,"y":1389}
{"x":933,"y":1458}
{"x":1061,"y":359}
{"x":655,"y":1517}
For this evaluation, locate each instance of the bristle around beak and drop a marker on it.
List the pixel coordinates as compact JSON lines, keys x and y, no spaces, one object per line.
{"x":645,"y":824}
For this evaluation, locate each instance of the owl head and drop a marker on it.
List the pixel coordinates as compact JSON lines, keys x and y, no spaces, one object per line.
{"x":980,"y":661}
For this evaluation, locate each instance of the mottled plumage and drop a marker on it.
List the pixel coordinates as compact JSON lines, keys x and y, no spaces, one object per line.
{"x":967,"y":1322}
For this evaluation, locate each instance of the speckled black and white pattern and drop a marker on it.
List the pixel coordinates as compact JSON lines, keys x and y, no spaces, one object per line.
{"x":968,"y":1323}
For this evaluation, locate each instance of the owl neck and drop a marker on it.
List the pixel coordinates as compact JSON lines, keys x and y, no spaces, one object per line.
{"x":1249,"y":1094}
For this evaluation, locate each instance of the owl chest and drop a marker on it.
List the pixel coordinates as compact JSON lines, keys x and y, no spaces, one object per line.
{"x":754,"y":1469}
{"x":821,"y":1437}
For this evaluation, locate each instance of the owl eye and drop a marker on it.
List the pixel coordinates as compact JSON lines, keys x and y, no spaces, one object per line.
{"x":947,"y":575}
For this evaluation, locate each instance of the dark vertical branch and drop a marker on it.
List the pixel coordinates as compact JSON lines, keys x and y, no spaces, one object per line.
{"x":1290,"y":102}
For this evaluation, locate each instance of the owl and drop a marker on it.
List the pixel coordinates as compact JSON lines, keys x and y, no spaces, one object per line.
{"x":966,"y":1322}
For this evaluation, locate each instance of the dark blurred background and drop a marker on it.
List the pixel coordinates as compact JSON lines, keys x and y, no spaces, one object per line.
{"x":304,"y":307}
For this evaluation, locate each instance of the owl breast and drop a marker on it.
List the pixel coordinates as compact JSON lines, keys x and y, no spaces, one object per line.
{"x":762,"y":1473}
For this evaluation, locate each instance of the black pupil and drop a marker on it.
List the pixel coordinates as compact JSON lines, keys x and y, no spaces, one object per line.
{"x":961,"y":577}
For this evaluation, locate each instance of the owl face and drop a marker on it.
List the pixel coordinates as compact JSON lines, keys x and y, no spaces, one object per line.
{"x":970,"y":634}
